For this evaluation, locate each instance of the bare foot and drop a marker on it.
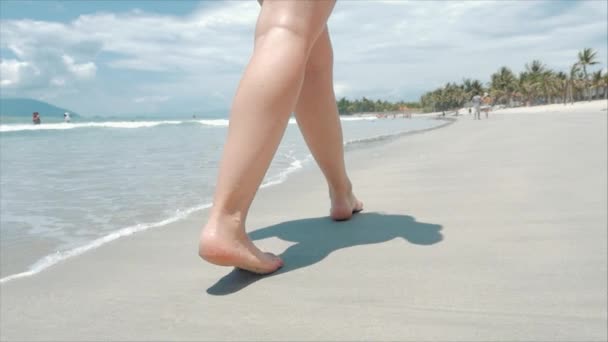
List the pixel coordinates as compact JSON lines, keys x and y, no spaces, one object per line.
{"x":230,"y":246}
{"x":344,"y":206}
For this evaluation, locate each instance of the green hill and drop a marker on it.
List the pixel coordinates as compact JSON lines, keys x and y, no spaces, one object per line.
{"x":16,"y":107}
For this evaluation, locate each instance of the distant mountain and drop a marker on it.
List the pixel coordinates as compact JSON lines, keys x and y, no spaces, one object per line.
{"x":25,"y":108}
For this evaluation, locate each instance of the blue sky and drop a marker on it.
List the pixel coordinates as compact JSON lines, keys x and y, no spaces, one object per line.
{"x":136,"y":57}
{"x":66,"y":11}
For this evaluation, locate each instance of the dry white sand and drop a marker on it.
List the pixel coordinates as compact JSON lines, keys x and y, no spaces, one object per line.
{"x":586,"y":106}
{"x":482,"y":230}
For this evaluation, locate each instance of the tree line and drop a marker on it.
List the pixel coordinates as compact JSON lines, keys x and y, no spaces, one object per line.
{"x":365,"y":105}
{"x":537,"y":84}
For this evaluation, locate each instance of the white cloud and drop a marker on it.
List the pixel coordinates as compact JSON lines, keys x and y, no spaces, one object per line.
{"x":341,"y":89}
{"x":42,"y":59}
{"x":193,"y":57}
{"x":14,"y":73}
{"x":151,"y":99}
{"x":383,"y":49}
{"x":164,"y":43}
{"x":402,"y":48}
{"x":57,"y":81}
{"x":80,"y":71}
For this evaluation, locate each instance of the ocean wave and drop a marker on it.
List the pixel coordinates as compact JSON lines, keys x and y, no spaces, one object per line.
{"x":292,"y":121}
{"x":214,"y":122}
{"x":64,"y":125}
{"x":370,"y":141}
{"x":108,"y":124}
{"x":295,"y":165}
{"x":358,"y":118}
{"x":57,"y":257}
{"x":133,"y":124}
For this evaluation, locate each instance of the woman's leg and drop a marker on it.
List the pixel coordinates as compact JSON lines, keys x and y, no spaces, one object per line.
{"x":267,"y":94}
{"x":319,"y":121}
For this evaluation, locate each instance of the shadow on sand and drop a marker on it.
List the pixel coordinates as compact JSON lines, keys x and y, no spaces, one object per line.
{"x":316,"y":238}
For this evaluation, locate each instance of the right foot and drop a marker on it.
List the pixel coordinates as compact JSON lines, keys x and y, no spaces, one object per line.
{"x":227,"y":246}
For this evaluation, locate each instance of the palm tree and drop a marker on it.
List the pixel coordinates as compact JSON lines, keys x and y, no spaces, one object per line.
{"x":554,"y":86}
{"x":535,"y":76}
{"x":597,"y":82}
{"x":477,"y":87}
{"x":605,"y":82}
{"x":503,"y":84}
{"x":574,"y":71}
{"x":470,"y":88}
{"x":343,"y":106}
{"x":526,"y":88}
{"x":467,"y":86}
{"x":602,"y":83}
{"x":587,"y":57}
{"x":547,"y":84}
{"x":562,"y":84}
{"x":536,"y":68}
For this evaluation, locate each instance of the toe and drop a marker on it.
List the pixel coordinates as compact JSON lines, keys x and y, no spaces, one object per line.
{"x":358,"y":207}
{"x":277,"y":261}
{"x":270,"y":264}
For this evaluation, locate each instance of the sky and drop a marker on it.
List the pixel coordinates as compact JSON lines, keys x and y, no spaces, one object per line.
{"x":119,"y":57}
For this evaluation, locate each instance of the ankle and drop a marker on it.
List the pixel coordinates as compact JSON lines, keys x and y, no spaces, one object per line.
{"x":225,"y":221}
{"x":342,"y":189}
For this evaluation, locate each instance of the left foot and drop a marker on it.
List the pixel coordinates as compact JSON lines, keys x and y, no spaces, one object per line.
{"x":343,"y":206}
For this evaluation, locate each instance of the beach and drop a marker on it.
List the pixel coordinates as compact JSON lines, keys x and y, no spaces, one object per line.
{"x":476,"y":231}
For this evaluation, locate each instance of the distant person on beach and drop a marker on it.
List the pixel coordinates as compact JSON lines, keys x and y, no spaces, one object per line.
{"x":476,"y":105}
{"x":290,"y":71}
{"x":66,"y":117}
{"x":406,"y":112}
{"x":486,"y":104}
{"x":36,"y":118}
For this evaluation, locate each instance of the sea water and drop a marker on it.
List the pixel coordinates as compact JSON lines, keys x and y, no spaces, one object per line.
{"x":66,"y":188}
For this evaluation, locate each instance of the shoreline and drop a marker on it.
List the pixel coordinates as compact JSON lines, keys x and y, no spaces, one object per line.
{"x":521,"y":109}
{"x":444,"y":210}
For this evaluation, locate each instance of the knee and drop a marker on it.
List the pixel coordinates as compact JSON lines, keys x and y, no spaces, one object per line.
{"x":283,"y":42}
{"x":293,"y":32}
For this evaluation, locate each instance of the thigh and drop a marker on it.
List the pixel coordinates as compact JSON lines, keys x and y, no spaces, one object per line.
{"x":321,"y":54}
{"x":306,"y":18}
